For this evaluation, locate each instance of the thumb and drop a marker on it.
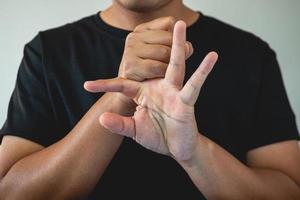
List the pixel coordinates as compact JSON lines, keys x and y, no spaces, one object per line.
{"x":118,"y":124}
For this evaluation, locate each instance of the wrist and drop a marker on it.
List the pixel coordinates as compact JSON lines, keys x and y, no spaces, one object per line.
{"x":195,"y":159}
{"x":120,"y":103}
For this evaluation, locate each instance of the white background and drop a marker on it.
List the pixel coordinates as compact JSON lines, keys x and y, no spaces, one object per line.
{"x":275,"y":21}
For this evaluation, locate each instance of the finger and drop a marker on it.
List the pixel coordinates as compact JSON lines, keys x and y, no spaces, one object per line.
{"x":191,"y":89}
{"x":189,"y":50}
{"x":163,"y":23}
{"x":142,"y":69}
{"x":152,"y":69}
{"x":156,"y":37}
{"x":160,"y":52}
{"x":154,"y":52}
{"x":176,"y":69}
{"x":163,"y":38}
{"x":124,"y":86}
{"x":118,"y":124}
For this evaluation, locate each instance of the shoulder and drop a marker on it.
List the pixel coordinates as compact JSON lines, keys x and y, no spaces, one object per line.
{"x":63,"y":35}
{"x":235,"y":38}
{"x":60,"y":42}
{"x":69,"y":28}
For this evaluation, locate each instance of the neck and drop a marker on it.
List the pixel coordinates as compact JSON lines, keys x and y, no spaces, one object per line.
{"x":123,"y":18}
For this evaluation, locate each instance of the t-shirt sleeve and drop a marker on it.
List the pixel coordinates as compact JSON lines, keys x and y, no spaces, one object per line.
{"x":29,"y":112}
{"x":274,"y":119}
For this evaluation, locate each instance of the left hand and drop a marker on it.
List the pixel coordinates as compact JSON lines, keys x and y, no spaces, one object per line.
{"x":164,"y":120}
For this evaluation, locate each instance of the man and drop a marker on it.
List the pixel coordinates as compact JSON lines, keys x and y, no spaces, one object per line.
{"x":237,"y":141}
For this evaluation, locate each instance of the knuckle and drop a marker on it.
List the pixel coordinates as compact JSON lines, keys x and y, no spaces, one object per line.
{"x":170,"y":20}
{"x":128,"y":66}
{"x":131,"y":38}
{"x":128,"y":63}
{"x":138,"y":27}
{"x":127,"y":73}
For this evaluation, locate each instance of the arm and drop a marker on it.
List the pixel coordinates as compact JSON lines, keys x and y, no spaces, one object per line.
{"x":269,"y":174}
{"x":165,"y":122}
{"x":69,"y":168}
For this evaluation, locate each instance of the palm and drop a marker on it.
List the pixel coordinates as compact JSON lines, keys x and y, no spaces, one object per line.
{"x":164,"y":120}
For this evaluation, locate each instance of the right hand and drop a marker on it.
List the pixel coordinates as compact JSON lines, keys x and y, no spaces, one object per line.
{"x":147,"y":50}
{"x":146,"y":53}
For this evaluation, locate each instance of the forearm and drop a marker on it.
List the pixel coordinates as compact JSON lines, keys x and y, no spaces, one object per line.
{"x":218,"y":175}
{"x":71,"y":167}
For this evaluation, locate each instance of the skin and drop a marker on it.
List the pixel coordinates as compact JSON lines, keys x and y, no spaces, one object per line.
{"x":155,"y":38}
{"x":146,"y":6}
{"x":156,"y":124}
{"x":90,"y":147}
{"x":121,"y":15}
{"x":164,"y":122}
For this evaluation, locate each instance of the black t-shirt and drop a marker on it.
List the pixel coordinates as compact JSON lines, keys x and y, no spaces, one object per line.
{"x":242,"y":105}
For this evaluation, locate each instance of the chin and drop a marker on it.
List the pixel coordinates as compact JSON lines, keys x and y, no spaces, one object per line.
{"x":142,"y":5}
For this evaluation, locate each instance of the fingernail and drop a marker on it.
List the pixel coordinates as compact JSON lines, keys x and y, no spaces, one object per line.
{"x":86,"y":83}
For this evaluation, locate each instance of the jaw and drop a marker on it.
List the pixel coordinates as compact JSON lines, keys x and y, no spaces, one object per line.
{"x":144,"y":6}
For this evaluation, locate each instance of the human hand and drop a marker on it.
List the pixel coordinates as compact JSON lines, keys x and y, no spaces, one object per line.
{"x":146,"y":52}
{"x":164,"y":120}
